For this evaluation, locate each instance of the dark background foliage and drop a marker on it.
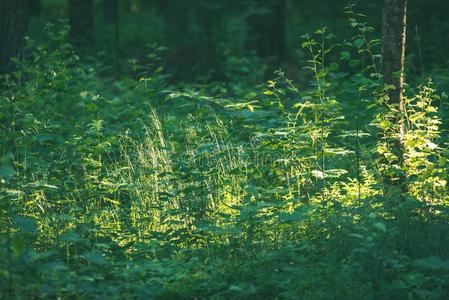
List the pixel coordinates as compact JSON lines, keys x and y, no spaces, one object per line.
{"x":200,"y":34}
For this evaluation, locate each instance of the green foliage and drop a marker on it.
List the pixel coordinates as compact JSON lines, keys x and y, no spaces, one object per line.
{"x":136,"y":189}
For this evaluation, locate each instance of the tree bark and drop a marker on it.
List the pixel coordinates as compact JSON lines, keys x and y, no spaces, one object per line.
{"x":393,"y":48}
{"x":392,"y":68}
{"x":81,"y":22}
{"x":14,"y":16}
{"x":35,"y":7}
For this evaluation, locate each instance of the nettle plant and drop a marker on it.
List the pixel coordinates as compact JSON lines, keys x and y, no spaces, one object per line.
{"x":418,"y":161}
{"x":425,"y":162}
{"x":414,"y":155}
{"x":316,"y":150}
{"x":311,"y":120}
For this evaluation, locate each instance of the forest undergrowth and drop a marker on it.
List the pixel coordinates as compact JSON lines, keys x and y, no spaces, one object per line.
{"x":139,"y":188}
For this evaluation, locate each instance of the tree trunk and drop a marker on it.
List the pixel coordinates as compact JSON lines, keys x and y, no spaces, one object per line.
{"x":14,"y":15}
{"x":35,"y":7}
{"x":393,"y":48}
{"x":81,"y":22}
{"x":392,"y":68}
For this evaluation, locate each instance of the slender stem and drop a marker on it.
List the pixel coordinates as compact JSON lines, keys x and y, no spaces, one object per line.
{"x":357,"y":158}
{"x":418,"y":40}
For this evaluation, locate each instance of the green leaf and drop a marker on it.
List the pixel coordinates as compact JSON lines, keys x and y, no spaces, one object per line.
{"x":335,"y":173}
{"x":380,"y":226}
{"x":305,"y":44}
{"x":18,"y":245}
{"x":354,"y":62}
{"x":95,"y":258}
{"x":6,"y":172}
{"x":358,"y":43}
{"x":54,"y":266}
{"x":318,"y":174}
{"x":25,"y":224}
{"x":70,"y":236}
{"x":345,"y":55}
{"x":42,"y":138}
{"x":334,"y":67}
{"x":432,"y":263}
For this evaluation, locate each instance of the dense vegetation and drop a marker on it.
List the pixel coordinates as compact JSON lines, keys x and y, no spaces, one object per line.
{"x":197,"y":171}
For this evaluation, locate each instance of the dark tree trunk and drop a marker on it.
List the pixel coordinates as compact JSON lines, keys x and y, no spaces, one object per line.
{"x":81,"y":22}
{"x":393,"y":47}
{"x":392,"y":68}
{"x":14,"y":16}
{"x":35,"y":7}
